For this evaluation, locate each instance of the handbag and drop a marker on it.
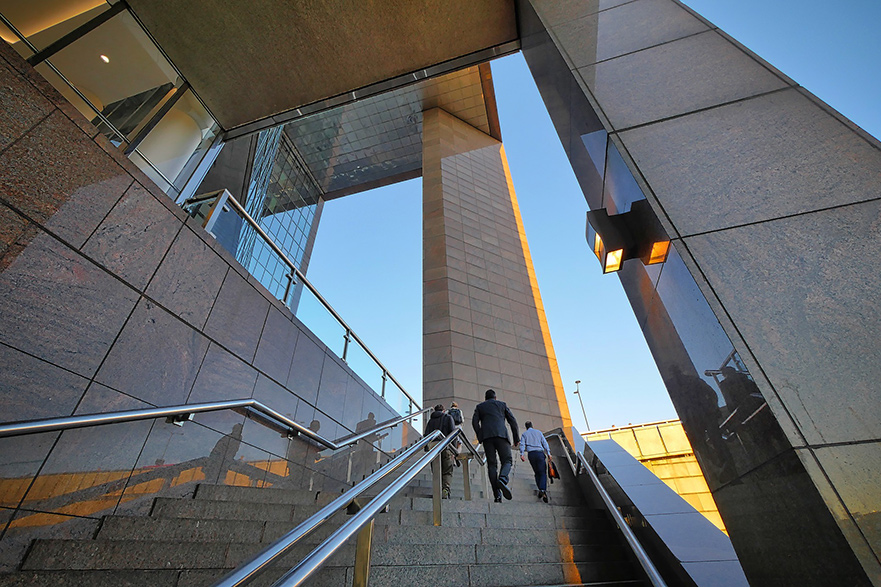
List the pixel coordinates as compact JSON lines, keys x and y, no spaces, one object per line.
{"x":552,"y":471}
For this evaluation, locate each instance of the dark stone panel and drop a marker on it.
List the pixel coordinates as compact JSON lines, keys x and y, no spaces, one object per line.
{"x":803,"y":293}
{"x":134,"y":237}
{"x":59,"y":307}
{"x":332,"y":388}
{"x":87,"y":469}
{"x":697,"y":72}
{"x":55,"y":164}
{"x":281,"y":400}
{"x":156,"y":358}
{"x":189,"y":279}
{"x":222,"y":377}
{"x":20,"y":459}
{"x":306,"y":366}
{"x":238,"y":315}
{"x":174,"y":460}
{"x":723,"y":410}
{"x":15,"y":234}
{"x":624,"y":29}
{"x":352,"y":416}
{"x":782,"y":530}
{"x":276,"y":348}
{"x":21,"y":108}
{"x":36,"y":389}
{"x":731,"y":168}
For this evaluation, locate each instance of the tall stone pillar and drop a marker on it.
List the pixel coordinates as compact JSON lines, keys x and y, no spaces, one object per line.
{"x":484,"y":324}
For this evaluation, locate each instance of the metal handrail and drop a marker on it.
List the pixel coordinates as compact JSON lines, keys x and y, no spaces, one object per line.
{"x":299,"y":275}
{"x":641,"y":555}
{"x":314,"y":560}
{"x":248,"y":570}
{"x":182,"y":413}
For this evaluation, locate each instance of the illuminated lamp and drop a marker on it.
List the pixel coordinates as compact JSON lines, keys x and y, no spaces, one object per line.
{"x":636,"y":234}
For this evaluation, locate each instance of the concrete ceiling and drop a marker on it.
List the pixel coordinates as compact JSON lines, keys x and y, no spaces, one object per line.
{"x":252,"y":60}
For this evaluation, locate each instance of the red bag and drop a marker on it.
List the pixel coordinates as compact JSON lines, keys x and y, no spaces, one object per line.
{"x":552,"y":471}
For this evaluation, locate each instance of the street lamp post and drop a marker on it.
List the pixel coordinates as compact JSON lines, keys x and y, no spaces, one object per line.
{"x":578,"y":393}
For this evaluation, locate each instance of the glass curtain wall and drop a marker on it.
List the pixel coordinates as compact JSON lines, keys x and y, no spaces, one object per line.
{"x":118,"y":79}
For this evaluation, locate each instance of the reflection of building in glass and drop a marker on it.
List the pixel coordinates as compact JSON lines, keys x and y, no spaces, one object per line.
{"x":664,"y":449}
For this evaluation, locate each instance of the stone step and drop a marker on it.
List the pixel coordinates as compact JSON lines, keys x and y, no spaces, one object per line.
{"x":167,"y":507}
{"x":498,"y":575}
{"x":67,"y":578}
{"x":262,"y":495}
{"x":116,"y":555}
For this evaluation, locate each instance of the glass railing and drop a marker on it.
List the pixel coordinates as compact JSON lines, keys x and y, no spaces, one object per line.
{"x":224,"y":218}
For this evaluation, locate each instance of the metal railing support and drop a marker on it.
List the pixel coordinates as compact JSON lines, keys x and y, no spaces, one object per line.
{"x":363,"y":548}
{"x":436,"y":490}
{"x":466,"y":476}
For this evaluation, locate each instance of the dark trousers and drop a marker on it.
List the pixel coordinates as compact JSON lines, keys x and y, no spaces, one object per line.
{"x":497,"y":449}
{"x":540,"y":468}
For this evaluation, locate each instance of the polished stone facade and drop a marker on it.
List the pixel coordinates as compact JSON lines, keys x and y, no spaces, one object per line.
{"x":483,"y":321}
{"x":764,"y":319}
{"x":111,"y":298}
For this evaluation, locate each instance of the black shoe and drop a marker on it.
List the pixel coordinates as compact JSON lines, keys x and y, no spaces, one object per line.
{"x":498,"y":500}
{"x":543,"y":495}
{"x":506,"y":491}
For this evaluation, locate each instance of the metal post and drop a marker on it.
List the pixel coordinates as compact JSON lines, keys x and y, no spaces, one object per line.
{"x":215,"y":211}
{"x":362,"y":555}
{"x":578,"y":393}
{"x":436,"y":489}
{"x":347,"y":338}
{"x":384,"y":379}
{"x":292,"y":280}
{"x":467,"y":477}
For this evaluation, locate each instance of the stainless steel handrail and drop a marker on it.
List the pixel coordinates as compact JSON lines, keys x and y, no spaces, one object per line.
{"x":295,"y":271}
{"x":641,"y":555}
{"x":248,"y":570}
{"x":187,"y":410}
{"x":314,"y":560}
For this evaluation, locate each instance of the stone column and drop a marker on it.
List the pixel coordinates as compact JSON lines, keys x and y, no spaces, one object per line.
{"x":483,"y":321}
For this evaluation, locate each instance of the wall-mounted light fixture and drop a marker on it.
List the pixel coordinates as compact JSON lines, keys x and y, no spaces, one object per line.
{"x":636,"y":234}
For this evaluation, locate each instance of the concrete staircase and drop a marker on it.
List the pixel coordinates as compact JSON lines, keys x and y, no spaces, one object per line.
{"x":195,"y":541}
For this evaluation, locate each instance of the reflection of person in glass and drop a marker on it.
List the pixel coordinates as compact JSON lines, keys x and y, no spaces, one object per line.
{"x":749,"y":411}
{"x":222,"y":456}
{"x":698,"y":408}
{"x":365,"y":454}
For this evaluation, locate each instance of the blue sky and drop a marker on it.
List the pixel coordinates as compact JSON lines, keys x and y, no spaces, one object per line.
{"x":367,"y":258}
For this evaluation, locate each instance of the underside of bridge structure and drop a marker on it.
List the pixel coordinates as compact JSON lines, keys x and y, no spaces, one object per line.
{"x":762,"y":314}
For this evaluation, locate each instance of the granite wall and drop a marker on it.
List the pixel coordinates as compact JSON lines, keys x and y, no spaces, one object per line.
{"x":112,"y":299}
{"x":772,"y":201}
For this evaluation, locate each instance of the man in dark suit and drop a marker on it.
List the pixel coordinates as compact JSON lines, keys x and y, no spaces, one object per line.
{"x":489,"y":426}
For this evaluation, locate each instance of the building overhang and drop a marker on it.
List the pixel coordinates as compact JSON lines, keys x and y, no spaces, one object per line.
{"x":259,"y":64}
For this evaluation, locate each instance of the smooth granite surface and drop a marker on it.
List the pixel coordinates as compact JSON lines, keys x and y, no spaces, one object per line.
{"x":624,"y":29}
{"x":689,"y":74}
{"x":762,"y":158}
{"x":802,"y":291}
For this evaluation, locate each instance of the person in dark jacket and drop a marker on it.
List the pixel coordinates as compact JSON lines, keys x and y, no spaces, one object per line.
{"x":440,"y":420}
{"x":489,"y":426}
